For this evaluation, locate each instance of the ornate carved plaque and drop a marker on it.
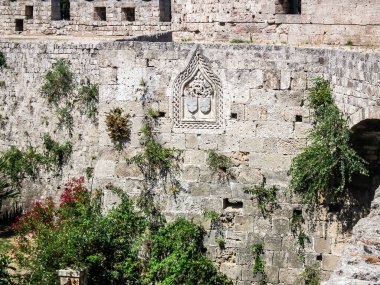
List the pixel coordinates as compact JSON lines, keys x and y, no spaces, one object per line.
{"x":197,"y":96}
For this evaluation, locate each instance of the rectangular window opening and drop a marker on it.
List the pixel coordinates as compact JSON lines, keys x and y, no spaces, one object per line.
{"x":19,"y":25}
{"x":288,"y":7}
{"x":100,"y":14}
{"x":29,"y":12}
{"x":165,"y":7}
{"x":227,"y":203}
{"x":128,"y":14}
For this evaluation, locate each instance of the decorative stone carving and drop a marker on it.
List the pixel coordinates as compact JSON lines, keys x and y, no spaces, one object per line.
{"x":197,"y":97}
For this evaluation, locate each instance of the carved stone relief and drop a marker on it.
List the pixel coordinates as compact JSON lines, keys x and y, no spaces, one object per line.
{"x":197,"y":96}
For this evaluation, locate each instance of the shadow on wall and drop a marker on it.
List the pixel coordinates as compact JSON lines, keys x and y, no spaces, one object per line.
{"x":365,"y":139}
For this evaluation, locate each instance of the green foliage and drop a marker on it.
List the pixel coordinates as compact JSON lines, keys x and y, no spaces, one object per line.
{"x":5,"y":277}
{"x":221,"y":243}
{"x":320,"y":94}
{"x":258,"y":261}
{"x":65,"y":118}
{"x":153,"y":113}
{"x":327,"y":164}
{"x":58,"y":82}
{"x":218,"y":162}
{"x":212,"y":215}
{"x":298,"y":232}
{"x":155,"y":161}
{"x":89,"y":172}
{"x":310,"y":276}
{"x":238,"y":41}
{"x":349,"y":43}
{"x":119,"y":247}
{"x":56,"y":154}
{"x":3,"y":62}
{"x":266,"y":197}
{"x":176,"y":257}
{"x":89,"y":97}
{"x":15,"y":166}
{"x":118,"y":127}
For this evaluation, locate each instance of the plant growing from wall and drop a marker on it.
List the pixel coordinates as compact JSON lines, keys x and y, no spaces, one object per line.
{"x":298,"y":232}
{"x":310,"y":275}
{"x":258,"y":261}
{"x":65,"y":118}
{"x":325,"y":167}
{"x":56,"y":154}
{"x":16,"y":165}
{"x":118,"y":127}
{"x":155,"y":161}
{"x":58,"y":83}
{"x":217,"y":225}
{"x":89,"y":97}
{"x":266,"y":197}
{"x":3,"y":62}
{"x":219,"y":163}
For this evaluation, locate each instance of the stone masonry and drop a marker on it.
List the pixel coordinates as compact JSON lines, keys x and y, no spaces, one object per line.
{"x":260,"y":21}
{"x":244,"y":101}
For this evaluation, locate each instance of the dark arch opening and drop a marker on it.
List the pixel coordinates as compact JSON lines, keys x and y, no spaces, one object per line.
{"x":365,"y":139}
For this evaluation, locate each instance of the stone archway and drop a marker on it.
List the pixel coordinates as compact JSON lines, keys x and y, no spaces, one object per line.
{"x":365,"y":139}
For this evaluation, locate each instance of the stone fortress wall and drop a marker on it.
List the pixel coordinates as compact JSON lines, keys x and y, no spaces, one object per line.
{"x":255,"y":113}
{"x":276,"y":21}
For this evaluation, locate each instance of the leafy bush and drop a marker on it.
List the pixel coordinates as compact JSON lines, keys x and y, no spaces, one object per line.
{"x":118,"y":127}
{"x":56,"y":154}
{"x":266,"y":197}
{"x":258,"y":261}
{"x":5,"y":277}
{"x":218,"y":162}
{"x":176,"y":257}
{"x":89,"y":97}
{"x":59,"y":82}
{"x":155,"y":161}
{"x":117,"y":248}
{"x":311,"y":275}
{"x":15,"y":166}
{"x":327,"y":164}
{"x":65,"y":118}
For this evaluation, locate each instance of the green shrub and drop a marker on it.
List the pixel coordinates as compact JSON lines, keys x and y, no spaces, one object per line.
{"x":327,"y":164}
{"x":56,"y":154}
{"x":310,"y":275}
{"x":3,"y":62}
{"x":155,"y":161}
{"x":218,"y":162}
{"x":89,"y":97}
{"x":119,"y":247}
{"x":5,"y":277}
{"x":258,"y":261}
{"x":16,"y":165}
{"x":266,"y":197}
{"x":118,"y":127}
{"x":65,"y":118}
{"x":176,"y":257}
{"x":59,"y":82}
{"x":349,"y":43}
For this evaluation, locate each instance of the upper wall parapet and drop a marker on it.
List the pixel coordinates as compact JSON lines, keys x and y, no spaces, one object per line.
{"x":260,"y":21}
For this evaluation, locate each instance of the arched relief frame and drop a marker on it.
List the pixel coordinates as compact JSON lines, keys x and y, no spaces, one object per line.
{"x":197,"y":98}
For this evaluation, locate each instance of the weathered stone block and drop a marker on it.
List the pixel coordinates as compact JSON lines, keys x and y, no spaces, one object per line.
{"x":322,"y":245}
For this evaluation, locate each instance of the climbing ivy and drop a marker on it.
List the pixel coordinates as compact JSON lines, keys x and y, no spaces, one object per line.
{"x":327,"y":164}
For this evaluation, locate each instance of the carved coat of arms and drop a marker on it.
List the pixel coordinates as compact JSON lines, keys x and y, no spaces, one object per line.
{"x":197,"y":98}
